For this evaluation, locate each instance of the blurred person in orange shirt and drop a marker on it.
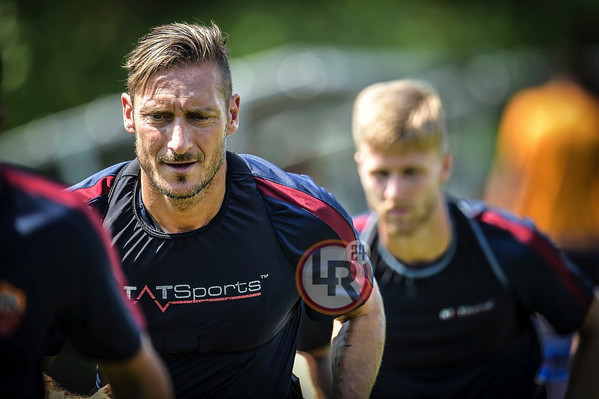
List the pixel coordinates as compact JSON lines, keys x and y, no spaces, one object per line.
{"x":547,"y":162}
{"x":546,"y":168}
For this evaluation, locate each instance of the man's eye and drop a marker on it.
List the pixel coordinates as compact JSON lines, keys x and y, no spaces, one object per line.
{"x":156,"y":117}
{"x":412,"y":172}
{"x":380,"y":174}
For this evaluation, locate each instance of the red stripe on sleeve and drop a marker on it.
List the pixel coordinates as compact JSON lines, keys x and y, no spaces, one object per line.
{"x":542,"y":247}
{"x":360,"y":222}
{"x":115,"y":265}
{"x":101,"y":187}
{"x":317,"y":207}
{"x":40,"y":186}
{"x":55,"y":192}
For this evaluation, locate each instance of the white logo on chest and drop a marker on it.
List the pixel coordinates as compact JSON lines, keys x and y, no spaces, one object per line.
{"x":466,"y":310}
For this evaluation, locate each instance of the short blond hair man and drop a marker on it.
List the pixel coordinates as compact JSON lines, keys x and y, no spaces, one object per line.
{"x":460,"y":280}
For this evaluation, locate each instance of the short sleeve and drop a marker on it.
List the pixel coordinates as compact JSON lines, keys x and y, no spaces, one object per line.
{"x":97,"y":318}
{"x":333,"y":273}
{"x":313,"y":334}
{"x":540,"y":275}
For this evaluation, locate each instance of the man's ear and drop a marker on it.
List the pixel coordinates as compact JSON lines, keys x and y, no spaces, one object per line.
{"x":358,"y":156}
{"x":359,"y":160}
{"x":128,"y":121}
{"x":447,"y":167}
{"x":233,"y":122}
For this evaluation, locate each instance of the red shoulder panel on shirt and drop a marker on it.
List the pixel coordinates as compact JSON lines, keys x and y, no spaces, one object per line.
{"x":317,"y":207}
{"x":102,"y":187}
{"x":541,"y":245}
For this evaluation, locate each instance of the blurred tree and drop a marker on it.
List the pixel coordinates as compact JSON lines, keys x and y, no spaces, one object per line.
{"x":61,"y":53}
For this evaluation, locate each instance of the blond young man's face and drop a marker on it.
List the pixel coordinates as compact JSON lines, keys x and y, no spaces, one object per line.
{"x":402,"y":187}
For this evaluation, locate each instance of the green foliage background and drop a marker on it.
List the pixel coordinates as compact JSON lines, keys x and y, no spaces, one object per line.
{"x":58,"y":54}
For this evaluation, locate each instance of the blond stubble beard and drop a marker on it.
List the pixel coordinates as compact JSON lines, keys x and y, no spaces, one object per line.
{"x":421,"y":221}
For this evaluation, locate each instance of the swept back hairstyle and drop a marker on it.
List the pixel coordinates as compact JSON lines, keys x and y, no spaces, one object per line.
{"x":177,"y":44}
{"x":405,"y":114}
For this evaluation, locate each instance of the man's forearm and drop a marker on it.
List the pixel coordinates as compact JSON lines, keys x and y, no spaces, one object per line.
{"x":55,"y":391}
{"x":358,"y":351}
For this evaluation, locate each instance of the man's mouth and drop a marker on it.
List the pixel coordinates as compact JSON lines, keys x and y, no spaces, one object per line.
{"x":398,"y":211}
{"x":180,"y":166}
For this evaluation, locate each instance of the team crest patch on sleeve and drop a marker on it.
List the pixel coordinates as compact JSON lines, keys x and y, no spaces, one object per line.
{"x":334,"y":277}
{"x":13,"y":303}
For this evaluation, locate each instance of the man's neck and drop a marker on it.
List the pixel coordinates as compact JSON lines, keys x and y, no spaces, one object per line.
{"x":174,"y":216}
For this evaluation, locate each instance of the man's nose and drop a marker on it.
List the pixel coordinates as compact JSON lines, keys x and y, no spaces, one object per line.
{"x":180,"y":141}
{"x":394,"y":187}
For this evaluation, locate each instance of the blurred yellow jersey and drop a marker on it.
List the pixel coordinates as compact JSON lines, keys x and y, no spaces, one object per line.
{"x":547,"y":162}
